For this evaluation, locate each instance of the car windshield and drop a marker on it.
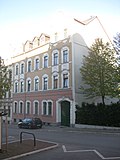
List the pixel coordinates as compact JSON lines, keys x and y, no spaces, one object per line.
{"x":27,"y":120}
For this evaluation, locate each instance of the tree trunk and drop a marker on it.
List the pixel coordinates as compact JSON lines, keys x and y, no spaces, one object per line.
{"x":103,"y":100}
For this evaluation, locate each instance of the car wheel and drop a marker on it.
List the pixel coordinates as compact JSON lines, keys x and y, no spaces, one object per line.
{"x":19,"y":126}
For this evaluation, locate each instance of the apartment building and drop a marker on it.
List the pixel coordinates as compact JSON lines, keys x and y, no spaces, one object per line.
{"x":46,"y":79}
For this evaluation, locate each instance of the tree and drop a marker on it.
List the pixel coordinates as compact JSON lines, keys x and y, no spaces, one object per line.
{"x":5,"y":79}
{"x":116,"y":41}
{"x":98,"y":71}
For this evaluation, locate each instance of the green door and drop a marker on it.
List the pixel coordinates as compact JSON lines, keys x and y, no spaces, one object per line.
{"x":65,"y":113}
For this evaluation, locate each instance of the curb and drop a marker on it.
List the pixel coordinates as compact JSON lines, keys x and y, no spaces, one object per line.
{"x":95,"y":127}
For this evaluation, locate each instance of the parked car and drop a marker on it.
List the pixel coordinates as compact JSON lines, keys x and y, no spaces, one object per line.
{"x":30,"y":123}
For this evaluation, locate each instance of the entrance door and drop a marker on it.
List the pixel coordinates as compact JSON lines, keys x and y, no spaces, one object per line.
{"x":65,"y":113}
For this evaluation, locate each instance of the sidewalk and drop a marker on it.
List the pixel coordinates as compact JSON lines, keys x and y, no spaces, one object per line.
{"x":16,"y":149}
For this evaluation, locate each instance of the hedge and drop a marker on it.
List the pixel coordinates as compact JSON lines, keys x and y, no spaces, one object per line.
{"x":108,"y":115}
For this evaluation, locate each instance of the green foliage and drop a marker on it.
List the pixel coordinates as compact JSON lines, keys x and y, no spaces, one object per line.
{"x":98,"y":71}
{"x":5,"y":79}
{"x":116,"y":42}
{"x":108,"y":115}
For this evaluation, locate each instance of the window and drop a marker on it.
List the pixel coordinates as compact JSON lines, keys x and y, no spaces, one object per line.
{"x":55,"y":59}
{"x":37,"y":64}
{"x":28,"y":108}
{"x":36,"y":84}
{"x":29,"y":66}
{"x":21,"y":86}
{"x":15,"y":107}
{"x":55,"y":81}
{"x":16,"y":70}
{"x":29,"y":85}
{"x":36,"y":111}
{"x":65,"y":80}
{"x":16,"y":87}
{"x":65,"y":56}
{"x":45,"y":61}
{"x":45,"y":83}
{"x":21,"y":108}
{"x":44,"y":108}
{"x":22,"y":68}
{"x":49,"y":108}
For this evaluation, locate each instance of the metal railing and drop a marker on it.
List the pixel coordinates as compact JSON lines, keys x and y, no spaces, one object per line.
{"x":27,"y":133}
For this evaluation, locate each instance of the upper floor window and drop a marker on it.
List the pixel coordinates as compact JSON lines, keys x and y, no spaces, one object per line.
{"x":28,"y":85}
{"x":16,"y":87}
{"x":16,"y":70}
{"x":65,"y":80}
{"x":22,"y":68}
{"x":36,"y":64}
{"x":45,"y":61}
{"x":29,"y":66}
{"x":45,"y":83}
{"x":55,"y":59}
{"x":21,"y":86}
{"x":36,"y":81}
{"x":65,"y":56}
{"x":55,"y":81}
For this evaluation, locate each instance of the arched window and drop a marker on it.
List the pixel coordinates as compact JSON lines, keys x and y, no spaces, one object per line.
{"x":55,"y":57}
{"x":65,"y":79}
{"x":36,"y":63}
{"x":65,"y":54}
{"x":28,"y":108}
{"x":21,"y":107}
{"x":29,"y":65}
{"x":28,"y":84}
{"x":22,"y":86}
{"x":22,"y":65}
{"x":44,"y":108}
{"x":15,"y":107}
{"x":36,"y":108}
{"x":16,"y":69}
{"x":16,"y":87}
{"x":45,"y":61}
{"x":45,"y":82}
{"x":55,"y":81}
{"x":47,"y":108}
{"x":36,"y":84}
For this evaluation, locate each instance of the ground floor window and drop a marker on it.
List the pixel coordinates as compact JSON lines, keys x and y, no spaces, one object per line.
{"x":47,"y":107}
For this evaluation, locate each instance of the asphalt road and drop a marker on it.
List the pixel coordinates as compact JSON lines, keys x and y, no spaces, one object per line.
{"x":73,"y":143}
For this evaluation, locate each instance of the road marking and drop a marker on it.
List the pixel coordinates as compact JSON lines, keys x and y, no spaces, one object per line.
{"x":89,"y":150}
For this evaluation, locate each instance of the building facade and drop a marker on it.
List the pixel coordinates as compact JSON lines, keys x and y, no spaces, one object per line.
{"x":46,"y":79}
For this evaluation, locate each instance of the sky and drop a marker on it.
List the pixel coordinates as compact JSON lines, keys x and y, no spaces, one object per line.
{"x":22,"y":20}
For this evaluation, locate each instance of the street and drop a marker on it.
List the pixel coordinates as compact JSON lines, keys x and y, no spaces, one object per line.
{"x":73,"y":143}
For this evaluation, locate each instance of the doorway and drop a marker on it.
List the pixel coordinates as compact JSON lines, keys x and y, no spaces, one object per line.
{"x":65,"y":113}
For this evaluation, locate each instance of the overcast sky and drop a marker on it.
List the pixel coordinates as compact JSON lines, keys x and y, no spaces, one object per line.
{"x":21,"y":20}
